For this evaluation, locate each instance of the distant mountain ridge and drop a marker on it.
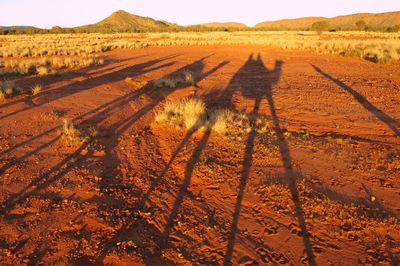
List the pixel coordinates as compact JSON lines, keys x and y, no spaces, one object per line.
{"x":122,"y":21}
{"x":347,"y":22}
{"x":18,"y":28}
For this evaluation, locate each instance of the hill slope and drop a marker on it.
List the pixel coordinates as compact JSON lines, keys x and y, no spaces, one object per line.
{"x":122,"y":21}
{"x":348,"y":22}
{"x":18,"y":28}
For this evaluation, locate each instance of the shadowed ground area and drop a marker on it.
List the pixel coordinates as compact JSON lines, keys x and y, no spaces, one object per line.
{"x":320,"y":186}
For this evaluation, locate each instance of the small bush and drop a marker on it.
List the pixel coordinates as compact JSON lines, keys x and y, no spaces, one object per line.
{"x":188,"y":77}
{"x":320,"y":26}
{"x":74,"y":137}
{"x":192,"y":114}
{"x":42,"y":71}
{"x":7,"y":89}
{"x":186,"y":113}
{"x":36,"y":90}
{"x":128,"y":79}
{"x":221,"y":120}
{"x":361,"y":24}
{"x":70,"y":134}
{"x":166,"y":82}
{"x":185,"y":78}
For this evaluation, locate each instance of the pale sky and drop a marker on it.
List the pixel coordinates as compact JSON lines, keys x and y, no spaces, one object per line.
{"x":71,"y":13}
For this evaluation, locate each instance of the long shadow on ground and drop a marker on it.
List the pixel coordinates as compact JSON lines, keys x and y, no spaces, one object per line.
{"x":255,"y":81}
{"x":391,"y":123}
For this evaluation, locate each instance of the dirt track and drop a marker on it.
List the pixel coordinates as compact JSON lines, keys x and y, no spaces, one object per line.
{"x":323,"y":186}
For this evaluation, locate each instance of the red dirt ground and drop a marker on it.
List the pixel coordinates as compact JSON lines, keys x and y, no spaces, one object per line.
{"x":321,"y":187}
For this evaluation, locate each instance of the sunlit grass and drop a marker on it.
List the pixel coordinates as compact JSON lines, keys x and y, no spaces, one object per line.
{"x":36,"y":90}
{"x":46,"y":65}
{"x":374,"y":46}
{"x":193,"y":114}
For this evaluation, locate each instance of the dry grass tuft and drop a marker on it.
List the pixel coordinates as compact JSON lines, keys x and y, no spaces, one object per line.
{"x":186,"y":113}
{"x":166,"y":83}
{"x":74,"y":137}
{"x":8,"y":89}
{"x":128,"y":79}
{"x":188,"y":77}
{"x":183,"y":79}
{"x":71,"y":135}
{"x":42,"y":71}
{"x":36,"y":90}
{"x":193,"y":111}
{"x":51,"y":116}
{"x":222,"y":119}
{"x":192,"y":114}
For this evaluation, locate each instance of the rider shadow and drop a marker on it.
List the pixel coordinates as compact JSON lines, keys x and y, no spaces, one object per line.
{"x":128,"y":230}
{"x":96,"y":116}
{"x":255,"y":82}
{"x":100,"y":112}
{"x":49,"y":96}
{"x":111,"y":161}
{"x":391,"y":123}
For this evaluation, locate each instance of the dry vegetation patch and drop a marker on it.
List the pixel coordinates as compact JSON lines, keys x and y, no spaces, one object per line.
{"x":184,"y":79}
{"x":9,"y":90}
{"x":193,"y":114}
{"x":72,"y":136}
{"x":46,"y":65}
{"x":374,"y":46}
{"x":83,"y":138}
{"x":36,"y":90}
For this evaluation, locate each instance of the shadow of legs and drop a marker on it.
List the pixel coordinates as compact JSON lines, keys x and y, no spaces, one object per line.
{"x":247,"y":162}
{"x":291,"y":180}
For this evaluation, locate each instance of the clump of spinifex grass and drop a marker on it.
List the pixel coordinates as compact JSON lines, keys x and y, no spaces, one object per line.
{"x":183,"y":79}
{"x":75,"y":137}
{"x":166,"y":82}
{"x":36,"y":90}
{"x":192,"y":114}
{"x":8,"y":90}
{"x":188,"y":77}
{"x":46,"y":66}
{"x":187,"y":113}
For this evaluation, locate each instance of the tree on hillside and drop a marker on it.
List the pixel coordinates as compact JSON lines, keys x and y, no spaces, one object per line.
{"x":395,"y":28}
{"x":56,"y":29}
{"x":320,"y":26}
{"x":361,"y":25}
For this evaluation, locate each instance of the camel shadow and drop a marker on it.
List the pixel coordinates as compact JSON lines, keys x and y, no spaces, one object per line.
{"x":255,"y":82}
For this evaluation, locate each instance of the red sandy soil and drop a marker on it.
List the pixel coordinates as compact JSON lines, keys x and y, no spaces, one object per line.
{"x":321,"y":187}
